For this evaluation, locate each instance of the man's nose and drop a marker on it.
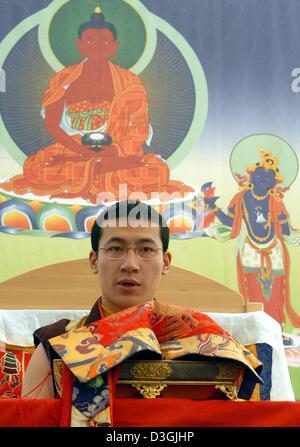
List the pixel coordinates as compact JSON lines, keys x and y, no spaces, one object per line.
{"x":130,"y":262}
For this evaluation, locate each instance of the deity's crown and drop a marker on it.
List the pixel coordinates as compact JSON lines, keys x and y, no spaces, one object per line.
{"x":267,"y":161}
{"x":98,"y":10}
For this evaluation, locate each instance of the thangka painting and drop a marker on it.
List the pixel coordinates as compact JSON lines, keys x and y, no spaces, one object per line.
{"x":98,"y":117}
{"x":191,"y":106}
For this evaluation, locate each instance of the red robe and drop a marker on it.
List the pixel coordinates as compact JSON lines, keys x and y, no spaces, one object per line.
{"x":76,"y":176}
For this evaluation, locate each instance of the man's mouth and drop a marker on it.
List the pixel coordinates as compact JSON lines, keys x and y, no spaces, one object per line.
{"x":128,"y":283}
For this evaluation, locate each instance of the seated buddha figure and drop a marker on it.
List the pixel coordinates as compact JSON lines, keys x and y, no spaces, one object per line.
{"x":95,"y":95}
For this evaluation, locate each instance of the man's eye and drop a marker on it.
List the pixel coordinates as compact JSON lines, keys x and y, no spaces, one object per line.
{"x":116,"y":249}
{"x":147,"y":249}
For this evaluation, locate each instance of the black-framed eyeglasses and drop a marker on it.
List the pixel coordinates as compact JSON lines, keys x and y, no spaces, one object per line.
{"x":118,"y":252}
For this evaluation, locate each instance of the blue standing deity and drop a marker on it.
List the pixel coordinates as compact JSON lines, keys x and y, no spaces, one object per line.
{"x":258,"y":218}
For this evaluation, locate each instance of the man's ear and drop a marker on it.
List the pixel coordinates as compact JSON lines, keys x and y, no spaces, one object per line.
{"x":167,"y":263}
{"x":114,"y":49}
{"x":80,"y":47}
{"x":93,"y":256}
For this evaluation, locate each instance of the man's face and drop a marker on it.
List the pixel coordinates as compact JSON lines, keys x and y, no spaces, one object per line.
{"x":97,"y":44}
{"x":130,"y":280}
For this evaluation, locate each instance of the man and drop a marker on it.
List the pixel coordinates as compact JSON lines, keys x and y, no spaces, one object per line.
{"x":129,"y":254}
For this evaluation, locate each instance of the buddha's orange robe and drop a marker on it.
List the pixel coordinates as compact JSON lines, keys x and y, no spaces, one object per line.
{"x":75,"y":175}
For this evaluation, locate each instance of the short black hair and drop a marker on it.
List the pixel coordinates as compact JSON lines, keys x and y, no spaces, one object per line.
{"x":97,"y":22}
{"x":141,"y":210}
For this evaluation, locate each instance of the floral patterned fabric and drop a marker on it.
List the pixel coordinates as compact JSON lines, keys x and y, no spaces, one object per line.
{"x":152,"y":330}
